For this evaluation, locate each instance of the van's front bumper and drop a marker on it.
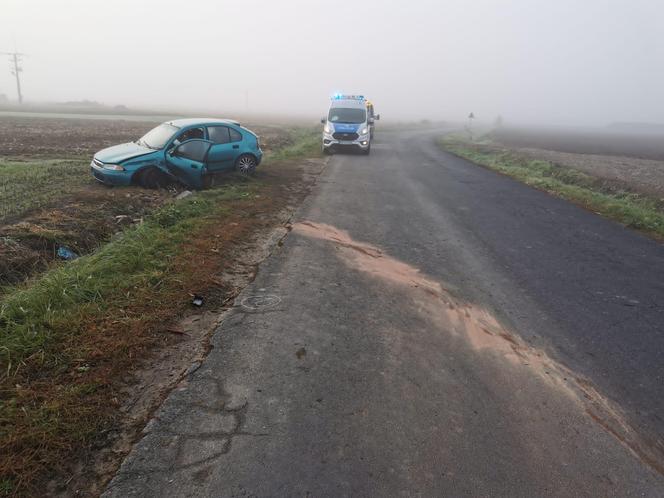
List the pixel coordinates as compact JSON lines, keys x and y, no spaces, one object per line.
{"x":362,"y":143}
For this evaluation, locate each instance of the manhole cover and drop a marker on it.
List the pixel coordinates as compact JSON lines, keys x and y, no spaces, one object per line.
{"x":260,"y":302}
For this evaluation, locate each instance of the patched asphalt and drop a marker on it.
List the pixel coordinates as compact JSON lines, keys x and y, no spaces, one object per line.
{"x":428,"y":328}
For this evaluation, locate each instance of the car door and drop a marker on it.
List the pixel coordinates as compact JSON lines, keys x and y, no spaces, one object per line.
{"x":188,"y":162}
{"x":223,"y":151}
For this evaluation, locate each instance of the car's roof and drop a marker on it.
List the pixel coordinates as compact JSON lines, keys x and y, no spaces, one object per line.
{"x":183,"y":123}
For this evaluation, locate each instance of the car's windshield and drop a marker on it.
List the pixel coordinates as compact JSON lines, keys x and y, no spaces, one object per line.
{"x":157,"y":137}
{"x":347,"y":115}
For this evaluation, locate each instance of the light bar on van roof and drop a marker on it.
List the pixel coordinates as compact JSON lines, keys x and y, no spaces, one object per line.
{"x":339,"y":96}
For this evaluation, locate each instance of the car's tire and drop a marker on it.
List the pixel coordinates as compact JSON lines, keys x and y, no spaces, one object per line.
{"x":151,"y":178}
{"x":367,"y":151}
{"x":246,"y":164}
{"x":327,"y":151}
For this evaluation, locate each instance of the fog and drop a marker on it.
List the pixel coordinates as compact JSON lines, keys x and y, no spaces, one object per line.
{"x":588,"y":62}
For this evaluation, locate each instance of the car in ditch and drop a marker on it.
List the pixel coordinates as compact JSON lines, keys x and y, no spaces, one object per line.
{"x":186,"y":150}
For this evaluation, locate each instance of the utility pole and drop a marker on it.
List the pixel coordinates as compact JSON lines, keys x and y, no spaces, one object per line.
{"x":17,"y":69}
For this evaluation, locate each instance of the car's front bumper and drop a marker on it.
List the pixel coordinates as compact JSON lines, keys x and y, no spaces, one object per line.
{"x":109,"y":177}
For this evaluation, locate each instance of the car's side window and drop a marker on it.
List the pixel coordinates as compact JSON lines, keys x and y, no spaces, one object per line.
{"x":219,"y":134}
{"x":195,"y":150}
{"x":236,"y":136}
{"x":191,"y":134}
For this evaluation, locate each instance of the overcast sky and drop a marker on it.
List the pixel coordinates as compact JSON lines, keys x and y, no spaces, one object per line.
{"x":548,"y":61}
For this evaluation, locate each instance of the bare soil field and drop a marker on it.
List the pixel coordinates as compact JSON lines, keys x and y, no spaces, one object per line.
{"x":581,"y":141}
{"x":64,"y":137}
{"x":644,"y":176}
{"x":625,"y":161}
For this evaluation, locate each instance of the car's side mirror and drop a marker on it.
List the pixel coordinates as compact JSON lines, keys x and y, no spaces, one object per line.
{"x":323,"y":120}
{"x":377,"y":117}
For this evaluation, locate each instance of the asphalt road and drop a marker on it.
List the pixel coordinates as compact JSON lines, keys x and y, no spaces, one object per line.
{"x":428,"y":328}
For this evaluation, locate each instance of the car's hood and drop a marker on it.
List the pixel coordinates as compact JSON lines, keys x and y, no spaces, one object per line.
{"x":345,"y":127}
{"x":122,"y":152}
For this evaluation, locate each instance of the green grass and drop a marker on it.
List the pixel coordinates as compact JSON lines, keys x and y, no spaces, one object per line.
{"x":631,"y":209}
{"x":306,"y":143}
{"x":35,"y":316}
{"x":25,"y":185}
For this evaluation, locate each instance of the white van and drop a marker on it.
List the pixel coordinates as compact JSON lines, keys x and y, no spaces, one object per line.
{"x":348,"y":124}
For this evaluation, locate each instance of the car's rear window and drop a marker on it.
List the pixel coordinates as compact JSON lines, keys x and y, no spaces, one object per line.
{"x":219,"y":134}
{"x":236,"y":136}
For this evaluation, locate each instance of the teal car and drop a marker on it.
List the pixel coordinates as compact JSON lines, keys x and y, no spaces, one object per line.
{"x":185,"y":150}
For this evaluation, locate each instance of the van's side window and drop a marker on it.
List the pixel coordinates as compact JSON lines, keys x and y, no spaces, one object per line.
{"x":219,"y":134}
{"x":236,"y":136}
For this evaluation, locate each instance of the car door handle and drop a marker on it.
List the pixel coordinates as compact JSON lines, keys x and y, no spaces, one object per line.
{"x":236,"y":146}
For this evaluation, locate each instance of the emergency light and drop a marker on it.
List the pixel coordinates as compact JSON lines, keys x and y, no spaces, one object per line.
{"x":339,"y":96}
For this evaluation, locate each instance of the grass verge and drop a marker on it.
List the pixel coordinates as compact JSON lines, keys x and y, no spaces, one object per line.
{"x":69,"y":337}
{"x":631,"y":209}
{"x":25,"y":185}
{"x":306,"y":143}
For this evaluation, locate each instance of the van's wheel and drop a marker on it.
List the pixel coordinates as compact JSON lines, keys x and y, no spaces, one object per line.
{"x":151,"y":178}
{"x":245,"y":164}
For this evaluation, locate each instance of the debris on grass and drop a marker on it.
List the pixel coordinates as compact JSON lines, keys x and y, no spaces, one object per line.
{"x":67,"y":254}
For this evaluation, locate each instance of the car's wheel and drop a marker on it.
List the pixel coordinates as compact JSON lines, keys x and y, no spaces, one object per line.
{"x":367,"y":151}
{"x":152,"y":178}
{"x":245,"y":164}
{"x":327,"y":151}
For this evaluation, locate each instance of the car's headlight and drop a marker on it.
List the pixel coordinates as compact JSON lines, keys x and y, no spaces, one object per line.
{"x":327,"y":128}
{"x":364,"y":131}
{"x":114,"y":167}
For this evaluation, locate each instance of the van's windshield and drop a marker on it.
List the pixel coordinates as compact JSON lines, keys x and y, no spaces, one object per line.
{"x":347,"y":115}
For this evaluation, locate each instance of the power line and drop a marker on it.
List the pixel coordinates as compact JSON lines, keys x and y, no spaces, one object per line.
{"x":16,"y":70}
